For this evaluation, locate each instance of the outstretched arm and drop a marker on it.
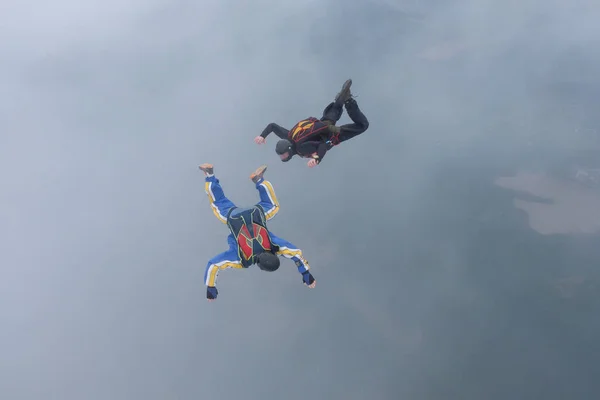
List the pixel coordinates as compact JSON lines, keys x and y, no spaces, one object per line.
{"x":321,"y":151}
{"x":280,"y":131}
{"x":323,"y":146}
{"x":227,"y":259}
{"x":288,"y":250}
{"x":317,"y":149}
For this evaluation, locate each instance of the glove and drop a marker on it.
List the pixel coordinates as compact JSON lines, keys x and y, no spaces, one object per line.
{"x":307,"y":278}
{"x":211,"y":292}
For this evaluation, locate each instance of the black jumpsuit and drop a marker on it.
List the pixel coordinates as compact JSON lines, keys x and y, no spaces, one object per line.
{"x":321,"y":142}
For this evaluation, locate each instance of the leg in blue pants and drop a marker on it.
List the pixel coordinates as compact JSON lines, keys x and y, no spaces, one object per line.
{"x":221,"y":206}
{"x":268,"y":200}
{"x":219,"y":203}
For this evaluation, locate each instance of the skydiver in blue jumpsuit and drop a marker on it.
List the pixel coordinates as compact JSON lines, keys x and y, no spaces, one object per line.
{"x":250,"y":241}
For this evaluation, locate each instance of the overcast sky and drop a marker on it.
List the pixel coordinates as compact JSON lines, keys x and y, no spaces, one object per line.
{"x":436,"y":279}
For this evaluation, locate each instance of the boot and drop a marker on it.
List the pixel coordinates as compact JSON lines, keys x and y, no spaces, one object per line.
{"x":257,"y":175}
{"x":207,"y":169}
{"x":344,"y":94}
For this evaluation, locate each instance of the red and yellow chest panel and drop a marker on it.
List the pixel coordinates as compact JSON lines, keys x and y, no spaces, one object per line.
{"x":246,"y":241}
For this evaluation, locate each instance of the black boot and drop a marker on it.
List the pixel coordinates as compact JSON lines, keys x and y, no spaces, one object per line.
{"x":344,"y":94}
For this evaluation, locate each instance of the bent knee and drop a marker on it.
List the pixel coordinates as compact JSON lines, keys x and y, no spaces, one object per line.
{"x":365,"y":125}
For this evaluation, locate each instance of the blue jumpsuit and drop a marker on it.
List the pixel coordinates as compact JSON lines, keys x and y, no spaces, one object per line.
{"x":221,"y":207}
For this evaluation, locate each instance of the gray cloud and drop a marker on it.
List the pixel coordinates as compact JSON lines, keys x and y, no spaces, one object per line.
{"x":431,"y":283}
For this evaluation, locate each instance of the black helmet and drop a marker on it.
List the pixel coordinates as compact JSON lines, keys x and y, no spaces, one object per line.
{"x":284,"y":146}
{"x":267,"y":262}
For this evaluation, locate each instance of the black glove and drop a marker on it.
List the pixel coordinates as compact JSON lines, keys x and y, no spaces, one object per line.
{"x":211,"y":292}
{"x":307,"y":278}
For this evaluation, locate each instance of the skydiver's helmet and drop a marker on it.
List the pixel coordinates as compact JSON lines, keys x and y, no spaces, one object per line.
{"x":268,"y":262}
{"x":285,"y":149}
